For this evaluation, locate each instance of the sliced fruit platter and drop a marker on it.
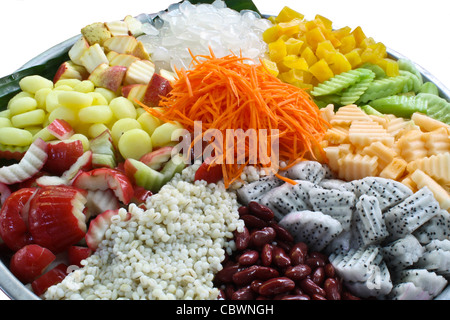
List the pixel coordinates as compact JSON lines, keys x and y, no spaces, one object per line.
{"x":210,"y":152}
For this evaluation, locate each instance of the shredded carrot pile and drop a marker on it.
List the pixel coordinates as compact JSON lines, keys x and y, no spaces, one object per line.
{"x":233,"y":92}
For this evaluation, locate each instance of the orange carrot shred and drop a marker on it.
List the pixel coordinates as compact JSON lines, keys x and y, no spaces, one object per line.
{"x":233,"y":92}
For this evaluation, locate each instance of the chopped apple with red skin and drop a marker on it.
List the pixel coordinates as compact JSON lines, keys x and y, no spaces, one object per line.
{"x":140,"y":51}
{"x":171,"y":76}
{"x":48,"y":279}
{"x":109,"y":77}
{"x":13,"y":220}
{"x":121,"y":59}
{"x":157,"y":158}
{"x":141,"y":195}
{"x":77,"y":254}
{"x":83,"y":163}
{"x":67,"y":71}
{"x":134,"y":92}
{"x":61,"y":129}
{"x":62,"y":155}
{"x":78,"y":49}
{"x":31,"y":163}
{"x":157,"y":87}
{"x":99,"y":201}
{"x":30,"y":261}
{"x":56,"y":217}
{"x":98,"y":227}
{"x":93,"y":57}
{"x":134,"y":25}
{"x":5,"y":192}
{"x":117,"y":28}
{"x":106,"y":178}
{"x":120,"y":44}
{"x":140,"y":71}
{"x":209,"y":172}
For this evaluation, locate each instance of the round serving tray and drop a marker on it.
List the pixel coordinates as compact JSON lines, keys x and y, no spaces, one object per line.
{"x":15,"y":290}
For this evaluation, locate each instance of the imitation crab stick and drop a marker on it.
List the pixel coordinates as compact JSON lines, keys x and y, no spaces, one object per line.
{"x":233,"y":92}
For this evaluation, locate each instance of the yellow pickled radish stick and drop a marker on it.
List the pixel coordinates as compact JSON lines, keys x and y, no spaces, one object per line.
{"x":74,"y":99}
{"x":30,"y":118}
{"x":121,"y":107}
{"x":21,"y":105}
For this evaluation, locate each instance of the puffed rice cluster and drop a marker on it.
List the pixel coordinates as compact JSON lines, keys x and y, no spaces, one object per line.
{"x":169,"y":251}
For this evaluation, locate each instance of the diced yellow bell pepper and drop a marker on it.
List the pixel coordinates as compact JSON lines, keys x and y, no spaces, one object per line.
{"x":367,"y":42}
{"x":348,"y":43}
{"x":309,"y":56}
{"x":340,"y":64}
{"x":342,"y":32}
{"x":277,"y":50}
{"x":373,"y":53}
{"x":354,"y":58}
{"x":321,"y":70}
{"x":389,"y":66}
{"x":325,"y":50}
{"x":295,"y":62}
{"x":314,"y":37}
{"x":290,"y":76}
{"x":359,"y":35}
{"x":270,"y":66}
{"x":294,"y":46}
{"x":288,"y":14}
{"x":290,"y":28}
{"x":272,"y":34}
{"x":326,"y":23}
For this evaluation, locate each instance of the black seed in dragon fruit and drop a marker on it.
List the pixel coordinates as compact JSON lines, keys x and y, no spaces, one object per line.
{"x":437,"y":228}
{"x":410,"y":214}
{"x":369,"y":221}
{"x":388,"y":192}
{"x":429,"y":281}
{"x":288,"y":198}
{"x":314,"y":228}
{"x":402,"y":253}
{"x":312,"y":171}
{"x":255,"y":190}
{"x":338,"y":204}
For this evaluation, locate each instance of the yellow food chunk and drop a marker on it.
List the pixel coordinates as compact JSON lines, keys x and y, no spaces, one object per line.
{"x":287,"y":14}
{"x":134,"y":144}
{"x":321,"y":70}
{"x":15,"y":137}
{"x":394,"y":170}
{"x":421,"y":179}
{"x":347,"y":114}
{"x":356,"y":166}
{"x":363,"y":133}
{"x":384,"y":153}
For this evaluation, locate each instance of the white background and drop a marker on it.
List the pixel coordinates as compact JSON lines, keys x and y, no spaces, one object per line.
{"x":416,"y":29}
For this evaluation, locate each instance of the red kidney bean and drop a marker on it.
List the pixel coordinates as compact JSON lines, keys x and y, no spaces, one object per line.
{"x":280,"y":258}
{"x":245,"y":293}
{"x":298,"y":272}
{"x":229,"y":290}
{"x":259,"y":238}
{"x":330,"y":272}
{"x":285,"y":245}
{"x":245,"y":276}
{"x":242,"y":239}
{"x":310,"y":288}
{"x":282,"y":233}
{"x":315,"y":254}
{"x":243,"y":210}
{"x":345,"y":295}
{"x":296,"y":297}
{"x":255,"y":285}
{"x":248,"y":258}
{"x":221,"y":295}
{"x":267,"y":255}
{"x":298,"y":253}
{"x":264,"y":273}
{"x":315,"y":262}
{"x":253,"y":221}
{"x":226,"y":274}
{"x":261,"y":211}
{"x":318,"y":276}
{"x":276,"y":285}
{"x":317,"y":297}
{"x":331,"y":287}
